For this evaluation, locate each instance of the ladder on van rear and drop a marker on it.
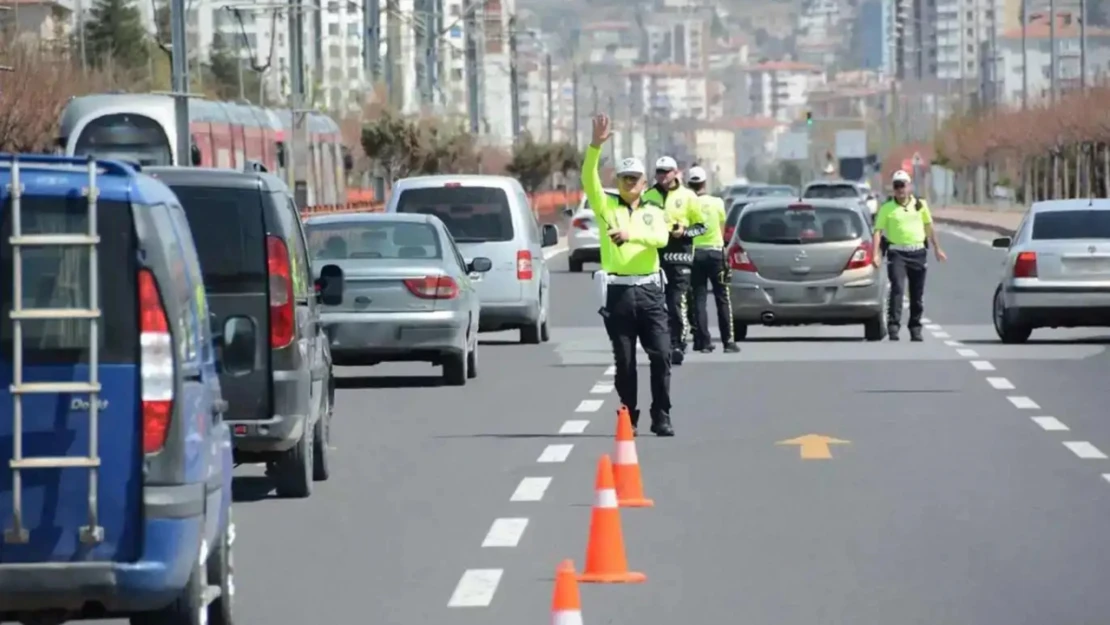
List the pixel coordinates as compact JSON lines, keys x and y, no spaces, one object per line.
{"x":92,"y":532}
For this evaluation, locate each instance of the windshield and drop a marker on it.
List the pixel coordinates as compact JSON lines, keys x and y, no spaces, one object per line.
{"x":471,"y":214}
{"x":228,"y":232}
{"x":793,"y":225}
{"x":337,"y":240}
{"x":773,"y":192}
{"x":1077,"y":224}
{"x":739,"y":189}
{"x":832,"y":192}
{"x":126,"y":137}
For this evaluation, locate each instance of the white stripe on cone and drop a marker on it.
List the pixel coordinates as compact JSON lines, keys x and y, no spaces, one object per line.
{"x":566,"y":617}
{"x":606,"y":498}
{"x":626,"y":453}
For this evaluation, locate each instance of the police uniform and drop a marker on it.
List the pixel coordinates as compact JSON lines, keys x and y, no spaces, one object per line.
{"x":902,"y":226}
{"x":677,"y":258}
{"x":634,"y":305}
{"x":711,"y":270}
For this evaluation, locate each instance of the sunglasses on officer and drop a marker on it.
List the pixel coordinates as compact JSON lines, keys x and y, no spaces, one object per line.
{"x":899,"y":184}
{"x":628,"y":180}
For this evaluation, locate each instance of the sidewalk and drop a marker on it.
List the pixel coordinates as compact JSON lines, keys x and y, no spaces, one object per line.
{"x":1001,"y":220}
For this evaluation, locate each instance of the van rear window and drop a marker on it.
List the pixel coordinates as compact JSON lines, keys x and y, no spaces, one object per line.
{"x":58,"y":277}
{"x":227,"y":226}
{"x":471,"y":214}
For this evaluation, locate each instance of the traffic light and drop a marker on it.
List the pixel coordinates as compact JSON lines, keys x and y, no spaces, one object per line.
{"x":809,"y":118}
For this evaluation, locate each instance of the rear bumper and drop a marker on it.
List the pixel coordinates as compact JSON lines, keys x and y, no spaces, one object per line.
{"x":281,"y":431}
{"x":1073,"y":305}
{"x":360,"y":337}
{"x":506,"y":316}
{"x":172,"y":535}
{"x":851,"y":302}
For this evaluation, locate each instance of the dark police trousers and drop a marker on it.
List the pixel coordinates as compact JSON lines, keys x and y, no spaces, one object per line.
{"x":640,"y":312}
{"x":678,"y":303}
{"x":903,"y":267}
{"x":710,"y":271}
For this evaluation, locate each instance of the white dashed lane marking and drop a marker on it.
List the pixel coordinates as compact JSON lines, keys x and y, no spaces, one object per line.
{"x":531,"y":489}
{"x":931,"y":326}
{"x":942,"y":335}
{"x":590,"y":405}
{"x":967,"y":353}
{"x":1085,"y":450}
{"x":983,"y":365}
{"x":574,"y":427}
{"x":612,"y":370}
{"x":1024,"y":403}
{"x":601,"y":388}
{"x":952,"y":343}
{"x":505,"y":533}
{"x":555,"y":453}
{"x":476,"y":588}
{"x":1001,"y":384}
{"x":1050,"y":424}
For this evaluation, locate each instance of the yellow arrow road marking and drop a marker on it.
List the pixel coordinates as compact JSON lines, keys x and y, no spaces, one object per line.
{"x":814,"y":446}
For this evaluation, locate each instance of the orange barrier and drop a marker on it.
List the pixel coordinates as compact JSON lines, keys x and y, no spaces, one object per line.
{"x":626,"y":469}
{"x":546,"y":204}
{"x":605,"y":558}
{"x":566,"y":604}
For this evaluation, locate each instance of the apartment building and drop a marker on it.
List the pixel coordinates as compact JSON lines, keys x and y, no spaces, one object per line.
{"x":668,"y":92}
{"x":42,"y":22}
{"x":966,"y":30}
{"x":780,"y":89}
{"x":1038,"y":48}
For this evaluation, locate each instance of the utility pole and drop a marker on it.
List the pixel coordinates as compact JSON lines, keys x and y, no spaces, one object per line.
{"x":613,"y":144}
{"x":1052,"y":48}
{"x":297,"y":97}
{"x":593,"y":98}
{"x":550,"y":102}
{"x":514,"y":79}
{"x":574,"y":105}
{"x":371,"y":50}
{"x":179,"y":62}
{"x":470,"y":25}
{"x":1024,"y":55}
{"x":81,"y":37}
{"x":1083,"y":44}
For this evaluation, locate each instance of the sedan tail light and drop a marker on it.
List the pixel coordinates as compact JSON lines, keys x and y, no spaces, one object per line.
{"x":861,"y":258}
{"x":433,"y":287}
{"x":1026,"y":265}
{"x":738,"y":259}
{"x":581,"y":223}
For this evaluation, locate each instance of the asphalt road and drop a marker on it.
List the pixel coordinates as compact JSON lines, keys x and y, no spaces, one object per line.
{"x":957,"y":498}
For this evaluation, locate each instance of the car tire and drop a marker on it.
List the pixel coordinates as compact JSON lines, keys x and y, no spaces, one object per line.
{"x":221,"y":572}
{"x":454,"y":369}
{"x":574,"y":266}
{"x":739,"y":331}
{"x":472,"y":362}
{"x":295,"y":468}
{"x":321,"y":441}
{"x":187,"y":609}
{"x":532,"y":334}
{"x":1007,"y":323}
{"x":873,"y":329}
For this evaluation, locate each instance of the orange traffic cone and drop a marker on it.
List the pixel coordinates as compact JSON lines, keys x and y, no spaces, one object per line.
{"x":566,"y":605}
{"x":605,"y":559}
{"x":630,"y":485}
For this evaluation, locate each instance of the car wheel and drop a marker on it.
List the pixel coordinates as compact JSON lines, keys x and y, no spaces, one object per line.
{"x":532,"y":334}
{"x":1007,"y":323}
{"x":454,"y":368}
{"x":873,"y":329}
{"x":221,"y":572}
{"x":574,"y":266}
{"x":321,"y":465}
{"x":472,"y":362}
{"x":294,"y":470}
{"x":188,"y":608}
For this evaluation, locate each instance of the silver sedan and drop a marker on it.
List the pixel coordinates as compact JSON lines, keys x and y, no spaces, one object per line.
{"x":408,"y":294}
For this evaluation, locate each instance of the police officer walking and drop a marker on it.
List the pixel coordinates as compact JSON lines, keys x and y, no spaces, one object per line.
{"x":710,"y":268}
{"x":635,"y":307}
{"x":680,"y":205}
{"x":904,"y":227}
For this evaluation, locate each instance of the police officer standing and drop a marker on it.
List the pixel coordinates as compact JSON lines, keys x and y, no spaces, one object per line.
{"x":680,"y":205}
{"x":635,"y":307}
{"x":710,"y":268}
{"x":906,"y":225}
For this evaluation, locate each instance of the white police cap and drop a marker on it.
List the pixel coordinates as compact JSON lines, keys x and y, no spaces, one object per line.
{"x":630,"y":167}
{"x":901,"y":176}
{"x":696,"y":174}
{"x":666,"y":163}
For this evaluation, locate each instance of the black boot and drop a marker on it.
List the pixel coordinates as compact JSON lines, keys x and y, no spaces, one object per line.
{"x":661,"y":424}
{"x":677,"y":356}
{"x":915,"y":335}
{"x":732,"y":348}
{"x":892,"y":331}
{"x":634,"y":417}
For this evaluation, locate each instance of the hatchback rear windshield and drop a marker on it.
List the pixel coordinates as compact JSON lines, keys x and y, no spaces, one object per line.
{"x":773,"y":192}
{"x":1077,"y":224}
{"x":58,"y":277}
{"x":832,"y":192}
{"x":793,"y":226}
{"x":229,"y":232}
{"x":471,"y":214}
{"x":372,"y":239}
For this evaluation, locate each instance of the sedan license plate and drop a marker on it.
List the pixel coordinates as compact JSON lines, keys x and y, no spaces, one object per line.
{"x":1088,"y":265}
{"x":803,"y":295}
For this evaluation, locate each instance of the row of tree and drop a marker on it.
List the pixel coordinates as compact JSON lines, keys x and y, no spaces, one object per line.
{"x":1046,"y":151}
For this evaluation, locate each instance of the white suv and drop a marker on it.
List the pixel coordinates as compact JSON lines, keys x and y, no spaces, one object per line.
{"x":583,"y":243}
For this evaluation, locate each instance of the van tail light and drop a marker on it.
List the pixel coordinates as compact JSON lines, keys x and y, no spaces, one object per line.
{"x":524,"y":265}
{"x":1026,"y":265}
{"x":281,"y":292}
{"x":738,"y":259}
{"x":728,"y":233}
{"x":433,"y":287}
{"x":156,"y":364}
{"x":580,"y":223}
{"x":861,"y":258}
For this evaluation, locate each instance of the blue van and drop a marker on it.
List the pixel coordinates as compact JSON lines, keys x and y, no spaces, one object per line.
{"x":115,"y":462}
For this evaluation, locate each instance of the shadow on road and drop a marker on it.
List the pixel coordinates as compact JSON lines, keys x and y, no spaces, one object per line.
{"x":496,"y":342}
{"x":511,"y":436}
{"x":1100,"y":340}
{"x":250,"y":488}
{"x":801,"y":339}
{"x":389,"y":381}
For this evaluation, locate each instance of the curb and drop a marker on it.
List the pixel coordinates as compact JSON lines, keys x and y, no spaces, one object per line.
{"x":978,"y":225}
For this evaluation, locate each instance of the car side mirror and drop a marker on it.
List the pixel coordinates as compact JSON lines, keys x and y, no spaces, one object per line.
{"x":195,"y":155}
{"x":550,"y":235}
{"x":480,"y":264}
{"x":1002,"y":242}
{"x":238,"y":338}
{"x":329,"y":286}
{"x":568,"y":211}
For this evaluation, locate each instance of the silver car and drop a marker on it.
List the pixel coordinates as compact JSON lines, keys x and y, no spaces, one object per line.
{"x":408,"y":294}
{"x":804,"y":262}
{"x":1057,"y":270}
{"x":491,"y":217}
{"x":583,"y":240}
{"x":845,"y":190}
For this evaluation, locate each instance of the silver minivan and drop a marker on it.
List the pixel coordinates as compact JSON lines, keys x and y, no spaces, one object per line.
{"x":491,"y":217}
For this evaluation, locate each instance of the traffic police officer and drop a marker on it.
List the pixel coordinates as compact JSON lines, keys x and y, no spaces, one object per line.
{"x":710,"y":268}
{"x":680,"y":205}
{"x":905,"y":223}
{"x":634,"y":307}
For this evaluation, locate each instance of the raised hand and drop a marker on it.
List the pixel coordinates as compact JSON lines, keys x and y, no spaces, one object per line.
{"x":602,"y":130}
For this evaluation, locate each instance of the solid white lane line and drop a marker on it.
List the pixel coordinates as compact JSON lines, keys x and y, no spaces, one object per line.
{"x":590,"y":405}
{"x":931,"y":326}
{"x":1085,"y":450}
{"x":574,"y":427}
{"x":1001,"y":384}
{"x":601,"y":388}
{"x":612,"y":370}
{"x":1050,"y":424}
{"x":925,"y":320}
{"x":983,"y":365}
{"x":531,"y":489}
{"x":953,"y":343}
{"x":967,"y":353}
{"x":505,"y":533}
{"x":1023,"y":403}
{"x":942,"y":335}
{"x":476,"y":588}
{"x":555,"y":453}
